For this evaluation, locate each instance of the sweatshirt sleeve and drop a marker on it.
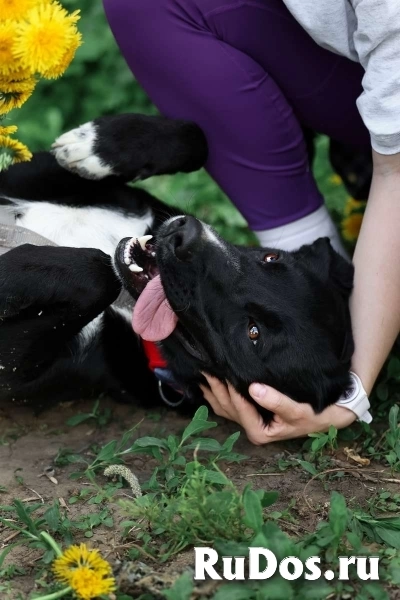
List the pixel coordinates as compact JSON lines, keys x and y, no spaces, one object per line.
{"x":377,"y":43}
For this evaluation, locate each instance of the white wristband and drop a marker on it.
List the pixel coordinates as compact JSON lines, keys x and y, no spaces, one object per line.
{"x":355,"y":398}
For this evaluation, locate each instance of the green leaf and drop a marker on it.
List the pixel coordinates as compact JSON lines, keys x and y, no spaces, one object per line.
{"x":253,"y":515}
{"x":267,"y":498}
{"x":393,"y":419}
{"x":24,"y":517}
{"x":232,"y":456}
{"x":390,"y":537}
{"x":315,"y":590}
{"x":229,"y":548}
{"x":216,"y":477}
{"x":201,"y":414}
{"x":319,"y":443}
{"x":150,"y":442}
{"x":393,"y":369}
{"x":332,"y":433}
{"x":375,"y":591}
{"x":205,"y":444}
{"x":52,"y":517}
{"x":172,"y":443}
{"x":182,"y":588}
{"x":107,"y":452}
{"x":382,"y":391}
{"x":235,"y":591}
{"x":231,"y":441}
{"x":338,"y":514}
{"x":6,"y":551}
{"x":307,"y":466}
{"x":276,"y":589}
{"x":77,"y":419}
{"x":197,"y":426}
{"x":354,"y":540}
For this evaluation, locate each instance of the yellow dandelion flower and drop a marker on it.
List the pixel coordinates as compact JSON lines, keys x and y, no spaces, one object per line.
{"x":8,"y":130}
{"x":335,"y":179}
{"x":351,"y":227}
{"x":352,"y":205}
{"x":13,"y":94}
{"x":45,"y":36}
{"x":8,"y":64}
{"x":76,"y":557}
{"x":85,"y":571}
{"x":88,"y":584}
{"x":14,"y":149}
{"x":15,"y":9}
{"x":66,"y":60}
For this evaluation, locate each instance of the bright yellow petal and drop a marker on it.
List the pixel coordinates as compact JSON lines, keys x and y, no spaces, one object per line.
{"x":66,"y":60}
{"x":15,"y":9}
{"x":45,"y":37}
{"x":335,"y":179}
{"x":352,"y":205}
{"x":87,"y":584}
{"x":8,"y":130}
{"x":8,"y":64}
{"x":18,"y":152}
{"x":351,"y":227}
{"x":13,"y":94}
{"x":78,"y":557}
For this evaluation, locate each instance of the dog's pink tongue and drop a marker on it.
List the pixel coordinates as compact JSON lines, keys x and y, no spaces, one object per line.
{"x":153,"y":318}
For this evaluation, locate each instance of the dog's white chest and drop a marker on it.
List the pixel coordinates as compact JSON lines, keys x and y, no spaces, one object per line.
{"x":83,"y":227}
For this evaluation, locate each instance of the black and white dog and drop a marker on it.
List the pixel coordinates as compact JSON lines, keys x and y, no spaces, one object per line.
{"x":241,"y":314}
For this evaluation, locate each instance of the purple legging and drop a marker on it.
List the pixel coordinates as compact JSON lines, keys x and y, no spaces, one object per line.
{"x":251,"y":77}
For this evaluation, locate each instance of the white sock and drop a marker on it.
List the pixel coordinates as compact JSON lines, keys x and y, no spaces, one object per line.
{"x":303,"y":231}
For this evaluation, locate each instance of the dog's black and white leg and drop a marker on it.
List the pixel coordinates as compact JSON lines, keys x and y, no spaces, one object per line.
{"x":133,"y":147}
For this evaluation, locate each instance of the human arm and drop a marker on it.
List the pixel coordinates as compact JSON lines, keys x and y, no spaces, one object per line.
{"x":375,"y":301}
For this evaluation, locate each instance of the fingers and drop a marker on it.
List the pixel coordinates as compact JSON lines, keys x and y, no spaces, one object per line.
{"x":218,"y":397}
{"x":248,"y":417}
{"x":279,"y":404}
{"x":290,"y":419}
{"x":213,"y":402}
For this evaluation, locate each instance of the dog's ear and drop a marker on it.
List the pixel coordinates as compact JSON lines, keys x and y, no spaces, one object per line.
{"x":321,"y":258}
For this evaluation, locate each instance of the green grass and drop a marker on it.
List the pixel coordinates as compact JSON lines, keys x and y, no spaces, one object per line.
{"x":190,"y":501}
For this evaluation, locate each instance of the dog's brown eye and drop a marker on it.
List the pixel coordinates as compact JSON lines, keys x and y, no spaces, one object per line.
{"x":271,"y":257}
{"x":254,"y":333}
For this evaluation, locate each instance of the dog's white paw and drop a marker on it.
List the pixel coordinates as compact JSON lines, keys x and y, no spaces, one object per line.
{"x":75,"y":151}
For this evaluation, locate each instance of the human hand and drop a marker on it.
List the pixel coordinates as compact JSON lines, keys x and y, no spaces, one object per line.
{"x":291,"y":419}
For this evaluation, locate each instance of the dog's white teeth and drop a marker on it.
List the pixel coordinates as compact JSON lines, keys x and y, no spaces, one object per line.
{"x":143,"y":240}
{"x":127,"y":260}
{"x":135,"y":268}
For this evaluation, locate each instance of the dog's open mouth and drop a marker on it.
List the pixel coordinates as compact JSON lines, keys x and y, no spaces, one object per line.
{"x":153,"y":318}
{"x":139,"y":256}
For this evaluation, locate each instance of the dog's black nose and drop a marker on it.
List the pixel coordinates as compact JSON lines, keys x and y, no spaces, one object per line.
{"x":185,"y":233}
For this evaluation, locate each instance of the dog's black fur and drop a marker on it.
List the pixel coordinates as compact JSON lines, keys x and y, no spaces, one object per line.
{"x":299,"y":301}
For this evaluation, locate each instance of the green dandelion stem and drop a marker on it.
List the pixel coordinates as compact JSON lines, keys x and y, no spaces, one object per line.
{"x":52,"y":543}
{"x":55,"y":595}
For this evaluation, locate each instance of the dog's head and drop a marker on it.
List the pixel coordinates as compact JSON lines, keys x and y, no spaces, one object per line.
{"x":243,"y":314}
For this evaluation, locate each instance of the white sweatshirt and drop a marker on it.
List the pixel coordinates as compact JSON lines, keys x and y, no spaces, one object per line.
{"x":368,"y":32}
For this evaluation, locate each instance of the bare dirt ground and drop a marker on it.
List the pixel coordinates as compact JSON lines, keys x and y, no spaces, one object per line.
{"x":29,"y":445}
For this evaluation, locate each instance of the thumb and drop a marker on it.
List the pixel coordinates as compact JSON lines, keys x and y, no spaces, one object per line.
{"x":271,"y":399}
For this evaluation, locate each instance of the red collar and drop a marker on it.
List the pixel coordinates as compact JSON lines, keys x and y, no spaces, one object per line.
{"x":154,"y":356}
